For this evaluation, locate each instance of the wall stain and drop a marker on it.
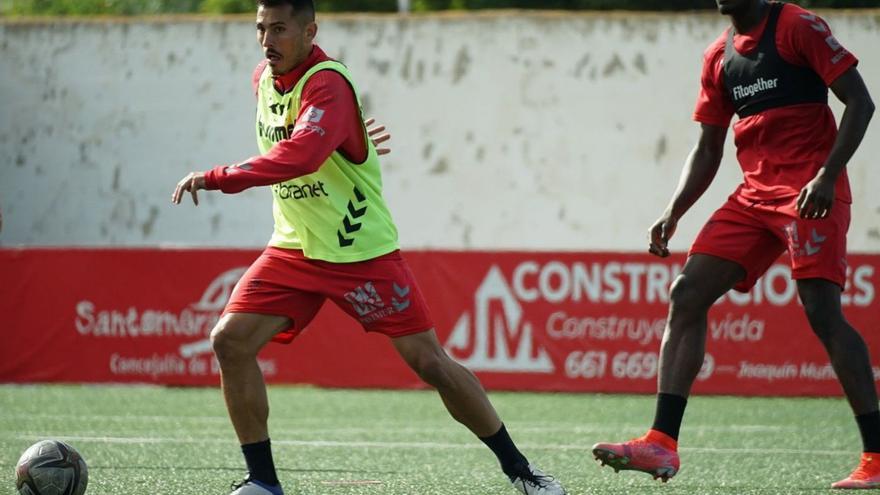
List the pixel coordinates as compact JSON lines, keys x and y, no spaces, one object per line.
{"x":420,"y":71}
{"x":440,"y":168}
{"x":466,"y":229}
{"x":660,"y":150}
{"x":116,"y":173}
{"x":215,"y":223}
{"x":462,"y":64}
{"x":381,"y":66}
{"x":147,"y":226}
{"x":406,"y":67}
{"x":581,"y":65}
{"x":427,"y":149}
{"x":613,"y":66}
{"x":639,"y":63}
{"x":874,"y":233}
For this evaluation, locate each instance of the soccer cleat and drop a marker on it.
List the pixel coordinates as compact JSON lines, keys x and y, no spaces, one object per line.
{"x":254,"y":487}
{"x":654,"y":453}
{"x":866,"y":475}
{"x":532,"y":481}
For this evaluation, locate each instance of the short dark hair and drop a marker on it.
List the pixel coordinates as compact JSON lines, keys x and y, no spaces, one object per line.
{"x":304,"y":9}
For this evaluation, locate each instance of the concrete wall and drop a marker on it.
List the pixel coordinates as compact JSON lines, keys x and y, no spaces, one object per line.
{"x":511,"y":130}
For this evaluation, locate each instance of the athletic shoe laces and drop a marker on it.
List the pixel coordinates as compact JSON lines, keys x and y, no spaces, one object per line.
{"x":867,"y":469}
{"x":536,"y":480}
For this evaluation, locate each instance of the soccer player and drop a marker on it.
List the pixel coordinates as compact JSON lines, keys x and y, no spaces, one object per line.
{"x":772,"y":69}
{"x":333,"y":239}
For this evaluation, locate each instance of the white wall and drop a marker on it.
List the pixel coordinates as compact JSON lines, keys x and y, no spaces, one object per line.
{"x":511,"y":130}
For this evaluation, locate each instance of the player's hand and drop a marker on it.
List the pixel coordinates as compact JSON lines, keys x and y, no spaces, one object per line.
{"x":376,"y":137}
{"x":660,"y":233}
{"x":816,"y":197}
{"x":193,"y":182}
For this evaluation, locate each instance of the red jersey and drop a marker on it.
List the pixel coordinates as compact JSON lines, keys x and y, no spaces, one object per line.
{"x":780,"y":149}
{"x":308,"y":147}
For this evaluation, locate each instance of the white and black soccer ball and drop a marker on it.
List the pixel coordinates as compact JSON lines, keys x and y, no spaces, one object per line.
{"x":50,"y":467}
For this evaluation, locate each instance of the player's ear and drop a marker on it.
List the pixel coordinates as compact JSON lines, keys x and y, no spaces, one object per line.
{"x":311,"y":31}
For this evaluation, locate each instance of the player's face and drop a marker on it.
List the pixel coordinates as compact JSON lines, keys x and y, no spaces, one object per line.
{"x":730,"y":7}
{"x":285,"y":39}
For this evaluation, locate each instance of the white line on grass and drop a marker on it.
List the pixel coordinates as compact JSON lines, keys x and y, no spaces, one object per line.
{"x":520,"y":427}
{"x":416,"y":445}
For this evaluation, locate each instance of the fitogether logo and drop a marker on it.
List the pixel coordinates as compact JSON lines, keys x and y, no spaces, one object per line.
{"x":493,"y":340}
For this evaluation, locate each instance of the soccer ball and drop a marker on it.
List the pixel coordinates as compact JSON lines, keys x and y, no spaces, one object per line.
{"x":50,"y":467}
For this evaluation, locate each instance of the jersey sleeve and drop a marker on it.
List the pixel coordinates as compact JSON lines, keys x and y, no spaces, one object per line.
{"x":327,"y":107}
{"x":805,"y":39}
{"x":713,"y":105}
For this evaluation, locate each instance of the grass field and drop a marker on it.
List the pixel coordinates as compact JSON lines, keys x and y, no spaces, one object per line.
{"x":156,"y":441}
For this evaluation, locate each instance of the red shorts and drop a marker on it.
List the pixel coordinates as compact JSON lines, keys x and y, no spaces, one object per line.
{"x":380,"y":293}
{"x":754,"y":235}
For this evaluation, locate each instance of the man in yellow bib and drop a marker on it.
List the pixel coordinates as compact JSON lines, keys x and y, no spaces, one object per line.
{"x":334,"y":239}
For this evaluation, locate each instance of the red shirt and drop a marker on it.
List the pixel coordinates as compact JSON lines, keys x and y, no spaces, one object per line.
{"x":309,"y":146}
{"x":779,"y":150}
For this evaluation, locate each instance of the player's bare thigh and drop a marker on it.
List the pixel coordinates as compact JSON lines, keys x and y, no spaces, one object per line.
{"x":246,"y":332}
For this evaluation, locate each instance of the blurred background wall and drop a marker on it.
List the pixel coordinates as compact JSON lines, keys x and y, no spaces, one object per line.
{"x":546,"y":131}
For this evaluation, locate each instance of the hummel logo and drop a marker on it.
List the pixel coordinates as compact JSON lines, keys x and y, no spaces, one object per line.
{"x":401,"y":292}
{"x":817,"y":241}
{"x":400,"y":304}
{"x":814,"y":23}
{"x":349,"y":221}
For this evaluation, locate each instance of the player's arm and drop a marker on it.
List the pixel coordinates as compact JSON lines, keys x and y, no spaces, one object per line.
{"x":316,"y":135}
{"x":699,"y":171}
{"x":817,"y":197}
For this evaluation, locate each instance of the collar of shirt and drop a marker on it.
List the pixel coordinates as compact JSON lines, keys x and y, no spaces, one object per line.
{"x":286,"y":82}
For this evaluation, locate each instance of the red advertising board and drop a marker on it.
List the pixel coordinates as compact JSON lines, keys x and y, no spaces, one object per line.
{"x":588,"y":322}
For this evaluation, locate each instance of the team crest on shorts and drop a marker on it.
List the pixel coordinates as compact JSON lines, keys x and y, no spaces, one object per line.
{"x":365,"y":299}
{"x":370,"y":307}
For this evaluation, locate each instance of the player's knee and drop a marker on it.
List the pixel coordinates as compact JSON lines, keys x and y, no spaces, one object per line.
{"x":226,"y":345}
{"x":825,"y":320}
{"x":686,"y":297}
{"x":433,"y":370}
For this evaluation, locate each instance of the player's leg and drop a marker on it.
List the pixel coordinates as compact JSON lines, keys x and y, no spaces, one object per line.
{"x":851,"y":362}
{"x":459,"y":389}
{"x":849,"y":358}
{"x":702,"y":281}
{"x":236,"y":339}
{"x":265,"y":305}
{"x":845,"y":347}
{"x":467,"y":402}
{"x":382,"y":294}
{"x":733,"y":250}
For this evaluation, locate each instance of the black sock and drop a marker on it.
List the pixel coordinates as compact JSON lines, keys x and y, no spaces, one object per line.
{"x":869,"y":427}
{"x":511,"y":459}
{"x":670,"y":410}
{"x":258,"y":457}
